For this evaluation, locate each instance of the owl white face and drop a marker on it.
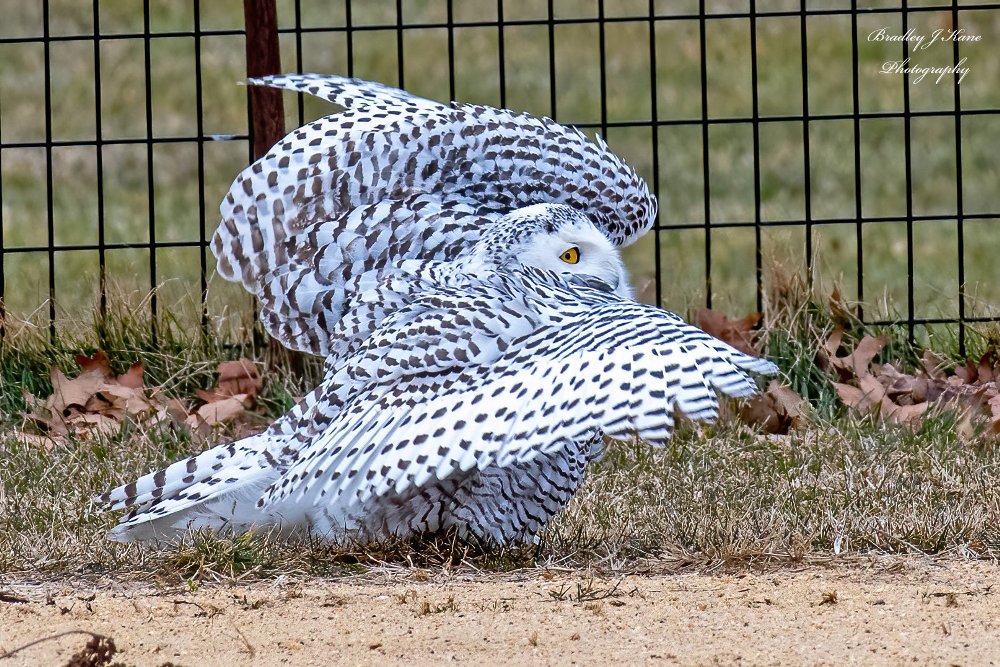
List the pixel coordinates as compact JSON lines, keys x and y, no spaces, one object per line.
{"x":573,"y":246}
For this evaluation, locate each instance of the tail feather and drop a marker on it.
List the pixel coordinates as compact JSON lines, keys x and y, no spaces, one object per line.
{"x":192,"y":482}
{"x":752,"y":364}
{"x":219,"y":508}
{"x":171,"y":479}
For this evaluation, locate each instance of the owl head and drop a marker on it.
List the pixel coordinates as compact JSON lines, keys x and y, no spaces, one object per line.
{"x":556,"y":238}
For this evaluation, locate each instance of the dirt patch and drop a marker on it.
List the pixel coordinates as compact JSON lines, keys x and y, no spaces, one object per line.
{"x":912,"y":611}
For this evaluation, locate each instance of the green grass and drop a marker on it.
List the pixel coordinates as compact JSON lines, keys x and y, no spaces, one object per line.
{"x":837,"y":484}
{"x":682,"y":190}
{"x":719,"y":494}
{"x":729,"y":494}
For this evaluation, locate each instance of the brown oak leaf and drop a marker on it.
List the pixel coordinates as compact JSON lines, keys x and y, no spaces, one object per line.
{"x":239,"y":377}
{"x":94,"y":403}
{"x":737,"y":333}
{"x":775,"y":410}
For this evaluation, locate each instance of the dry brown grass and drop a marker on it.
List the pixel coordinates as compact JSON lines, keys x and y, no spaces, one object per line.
{"x":837,"y":486}
{"x":722,"y":494}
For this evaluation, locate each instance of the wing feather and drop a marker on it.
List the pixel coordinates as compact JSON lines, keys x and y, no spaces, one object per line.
{"x":635,"y":367}
{"x":476,"y":378}
{"x":398,"y":177}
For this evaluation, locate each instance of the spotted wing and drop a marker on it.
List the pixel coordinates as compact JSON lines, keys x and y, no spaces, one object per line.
{"x":399,"y":177}
{"x":459,"y":385}
{"x":476,"y":402}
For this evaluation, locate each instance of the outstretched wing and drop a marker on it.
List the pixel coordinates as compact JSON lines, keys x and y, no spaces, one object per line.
{"x":399,"y":177}
{"x":496,"y":375}
{"x":460,"y":382}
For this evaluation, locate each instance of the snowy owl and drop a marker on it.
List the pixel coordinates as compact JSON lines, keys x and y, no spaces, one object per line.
{"x":458,"y":267}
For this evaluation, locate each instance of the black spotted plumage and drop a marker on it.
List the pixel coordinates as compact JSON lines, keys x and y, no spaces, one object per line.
{"x":471,"y":374}
{"x":398,"y":177}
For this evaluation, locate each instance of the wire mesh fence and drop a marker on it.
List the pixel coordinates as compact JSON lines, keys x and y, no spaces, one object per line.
{"x":792,"y":134}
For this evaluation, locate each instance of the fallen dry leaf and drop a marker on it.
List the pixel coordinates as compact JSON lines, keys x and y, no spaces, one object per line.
{"x":775,"y":410}
{"x":872,"y":390}
{"x":74,"y":394}
{"x":95,"y":403}
{"x":219,"y":411}
{"x":829,"y":349}
{"x":983,"y":372}
{"x":895,"y":396}
{"x":994,"y":418}
{"x":97,"y":425}
{"x":133,"y":377}
{"x":790,"y":402}
{"x":239,"y":377}
{"x":97,"y":363}
{"x":857,"y":363}
{"x":934,"y":365}
{"x":737,"y":333}
{"x":903,"y":414}
{"x":172,"y":407}
{"x":832,"y":344}
{"x":236,"y":391}
{"x":132,"y":401}
{"x":899,"y":386}
{"x":231,"y":411}
{"x":850,"y":395}
{"x":839,"y":310}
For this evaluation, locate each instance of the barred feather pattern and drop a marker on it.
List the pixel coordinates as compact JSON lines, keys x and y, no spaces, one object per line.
{"x":473,"y":368}
{"x":478,"y":404}
{"x":396,"y":177}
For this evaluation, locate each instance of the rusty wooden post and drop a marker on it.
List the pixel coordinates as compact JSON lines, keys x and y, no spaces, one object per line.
{"x":267,"y":111}
{"x":267,"y":122}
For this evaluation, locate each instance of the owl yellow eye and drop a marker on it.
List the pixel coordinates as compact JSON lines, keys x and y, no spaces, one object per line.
{"x":571,"y":256}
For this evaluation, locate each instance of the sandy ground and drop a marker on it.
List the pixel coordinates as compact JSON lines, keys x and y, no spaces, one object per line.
{"x":892,"y":612}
